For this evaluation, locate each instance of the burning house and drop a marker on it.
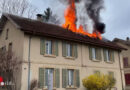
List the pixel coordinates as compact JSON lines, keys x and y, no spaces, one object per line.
{"x":59,"y":57}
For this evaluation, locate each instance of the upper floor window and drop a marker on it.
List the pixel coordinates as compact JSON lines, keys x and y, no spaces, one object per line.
{"x":48,"y":47}
{"x":125,"y":62}
{"x":108,"y":55}
{"x":70,"y":78}
{"x":7,"y":31}
{"x":95,"y":53}
{"x":69,"y":50}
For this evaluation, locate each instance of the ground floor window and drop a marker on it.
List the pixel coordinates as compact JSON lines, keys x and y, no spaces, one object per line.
{"x":70,"y":78}
{"x":49,"y":78}
{"x":127,"y":79}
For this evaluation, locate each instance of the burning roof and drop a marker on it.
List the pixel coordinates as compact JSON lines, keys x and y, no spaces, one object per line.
{"x":35,"y":27}
{"x":93,"y":8}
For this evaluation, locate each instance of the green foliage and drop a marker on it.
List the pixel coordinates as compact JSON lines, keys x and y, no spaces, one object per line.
{"x":99,"y":82}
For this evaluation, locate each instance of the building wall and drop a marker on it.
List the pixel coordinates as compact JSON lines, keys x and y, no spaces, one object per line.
{"x":86,"y":66}
{"x":125,"y":53}
{"x":16,"y":37}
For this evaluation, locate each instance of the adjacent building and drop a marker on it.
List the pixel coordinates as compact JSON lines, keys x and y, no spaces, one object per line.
{"x":57,"y":57}
{"x":126,"y":60}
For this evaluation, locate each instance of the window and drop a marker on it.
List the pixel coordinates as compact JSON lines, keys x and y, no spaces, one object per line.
{"x":69,"y":50}
{"x":127,"y":79}
{"x":70,"y":78}
{"x":49,"y":73}
{"x":108,"y":55}
{"x":7,"y":31}
{"x":125,"y":62}
{"x":48,"y":47}
{"x":10,"y":47}
{"x":97,"y":72}
{"x":49,"y":78}
{"x":95,"y":53}
{"x":3,"y":49}
{"x":111,"y":74}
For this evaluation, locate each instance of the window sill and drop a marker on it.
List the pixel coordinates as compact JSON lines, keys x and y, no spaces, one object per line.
{"x":71,"y":58}
{"x":95,"y":60}
{"x":49,"y":55}
{"x":110,"y":62}
{"x":71,"y":87}
{"x":47,"y":88}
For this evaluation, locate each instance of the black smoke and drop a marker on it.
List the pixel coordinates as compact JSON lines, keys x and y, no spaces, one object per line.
{"x":93,"y":9}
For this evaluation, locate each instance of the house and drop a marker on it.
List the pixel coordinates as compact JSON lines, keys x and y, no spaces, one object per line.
{"x":126,"y":60}
{"x":57,"y":57}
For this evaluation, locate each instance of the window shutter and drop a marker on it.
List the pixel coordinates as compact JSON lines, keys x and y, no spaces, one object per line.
{"x":98,"y":54}
{"x":90,"y":53}
{"x":77,"y":78}
{"x":42,"y":47}
{"x":41,"y":77}
{"x":57,"y":78}
{"x":75,"y":51}
{"x":56,"y":48}
{"x":64,"y":78}
{"x":64,"y":49}
{"x":112,"y":55}
{"x":104,"y":54}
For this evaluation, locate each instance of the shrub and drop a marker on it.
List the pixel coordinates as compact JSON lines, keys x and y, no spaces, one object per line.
{"x":99,"y":82}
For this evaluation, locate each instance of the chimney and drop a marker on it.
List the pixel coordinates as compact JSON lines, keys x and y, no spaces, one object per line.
{"x":40,"y":17}
{"x":127,"y":39}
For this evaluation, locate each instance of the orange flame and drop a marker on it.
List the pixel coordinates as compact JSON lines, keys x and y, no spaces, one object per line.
{"x":70,"y":19}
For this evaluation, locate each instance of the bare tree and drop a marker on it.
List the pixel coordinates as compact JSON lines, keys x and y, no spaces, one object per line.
{"x":9,"y":66}
{"x":17,"y":7}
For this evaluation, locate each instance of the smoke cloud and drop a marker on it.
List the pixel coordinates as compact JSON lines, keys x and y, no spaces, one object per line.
{"x":93,"y":8}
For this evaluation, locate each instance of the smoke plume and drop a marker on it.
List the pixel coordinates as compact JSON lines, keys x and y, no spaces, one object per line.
{"x":93,"y":9}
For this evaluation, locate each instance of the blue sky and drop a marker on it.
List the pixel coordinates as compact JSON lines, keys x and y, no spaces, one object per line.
{"x":116,"y":15}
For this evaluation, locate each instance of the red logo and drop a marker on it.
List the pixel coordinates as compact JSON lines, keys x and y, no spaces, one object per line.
{"x":1,"y":81}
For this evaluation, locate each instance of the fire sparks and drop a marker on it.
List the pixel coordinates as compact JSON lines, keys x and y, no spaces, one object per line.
{"x":70,"y":22}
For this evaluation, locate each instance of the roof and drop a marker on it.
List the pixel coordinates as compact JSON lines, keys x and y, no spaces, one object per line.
{"x":35,"y":27}
{"x":126,"y":42}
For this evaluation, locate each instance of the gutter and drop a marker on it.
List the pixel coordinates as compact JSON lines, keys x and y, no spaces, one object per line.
{"x":120,"y":70}
{"x":29,"y":63}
